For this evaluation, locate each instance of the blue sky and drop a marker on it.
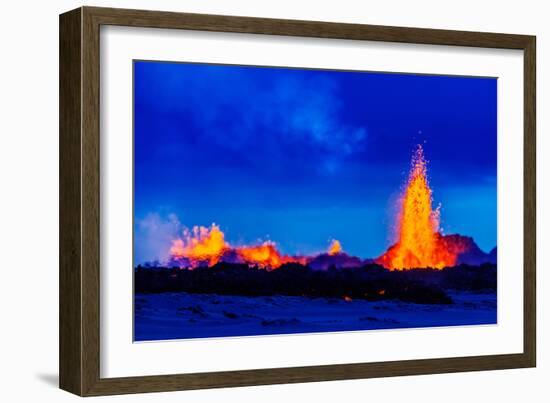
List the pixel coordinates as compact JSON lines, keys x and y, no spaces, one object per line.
{"x":303,"y":156}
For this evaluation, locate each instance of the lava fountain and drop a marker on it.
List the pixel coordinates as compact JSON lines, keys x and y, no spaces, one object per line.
{"x":266,"y":255}
{"x":419,"y":243}
{"x":201,"y":244}
{"x":206,"y":246}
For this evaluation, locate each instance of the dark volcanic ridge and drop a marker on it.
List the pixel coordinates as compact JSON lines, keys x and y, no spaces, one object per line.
{"x":469,"y":252}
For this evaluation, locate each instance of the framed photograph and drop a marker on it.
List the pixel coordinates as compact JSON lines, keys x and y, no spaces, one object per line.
{"x":249,"y":201}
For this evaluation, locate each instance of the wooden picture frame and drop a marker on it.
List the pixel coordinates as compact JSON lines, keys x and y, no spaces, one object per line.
{"x":79,"y":348}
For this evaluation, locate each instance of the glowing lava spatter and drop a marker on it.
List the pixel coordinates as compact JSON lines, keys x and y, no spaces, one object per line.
{"x":419,"y":243}
{"x":266,"y":255}
{"x":203,"y":246}
{"x":335,"y":247}
{"x":200,"y":245}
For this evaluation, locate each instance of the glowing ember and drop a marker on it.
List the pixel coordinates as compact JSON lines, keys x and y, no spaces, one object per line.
{"x":200,"y":245}
{"x":334,"y":248}
{"x":419,"y":243}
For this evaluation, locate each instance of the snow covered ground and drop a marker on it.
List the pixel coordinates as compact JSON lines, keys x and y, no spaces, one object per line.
{"x":180,"y":315}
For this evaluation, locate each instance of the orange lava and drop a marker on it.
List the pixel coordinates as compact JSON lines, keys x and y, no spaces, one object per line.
{"x":206,"y":246}
{"x":202,"y":244}
{"x":419,"y":243}
{"x":266,"y":255}
{"x":335,"y":247}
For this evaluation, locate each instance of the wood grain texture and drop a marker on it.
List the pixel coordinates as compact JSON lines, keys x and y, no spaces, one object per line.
{"x":317,"y":29}
{"x":90,"y":202}
{"x":80,"y":201}
{"x":70,"y":275}
{"x":530,"y":203}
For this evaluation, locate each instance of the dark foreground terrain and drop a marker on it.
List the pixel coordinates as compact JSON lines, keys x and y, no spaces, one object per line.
{"x":235,"y":300}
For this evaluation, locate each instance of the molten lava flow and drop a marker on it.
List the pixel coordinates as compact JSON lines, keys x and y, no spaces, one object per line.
{"x":419,"y":243}
{"x":334,"y":248}
{"x":201,"y":245}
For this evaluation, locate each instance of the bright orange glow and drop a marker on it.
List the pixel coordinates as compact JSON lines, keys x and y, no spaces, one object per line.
{"x":206,"y":246}
{"x":335,"y":247}
{"x":266,"y":255}
{"x":419,"y":243}
{"x":200,"y":245}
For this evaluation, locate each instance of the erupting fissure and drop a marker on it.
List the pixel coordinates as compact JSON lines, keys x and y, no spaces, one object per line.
{"x":419,"y":242}
{"x":207,"y":246}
